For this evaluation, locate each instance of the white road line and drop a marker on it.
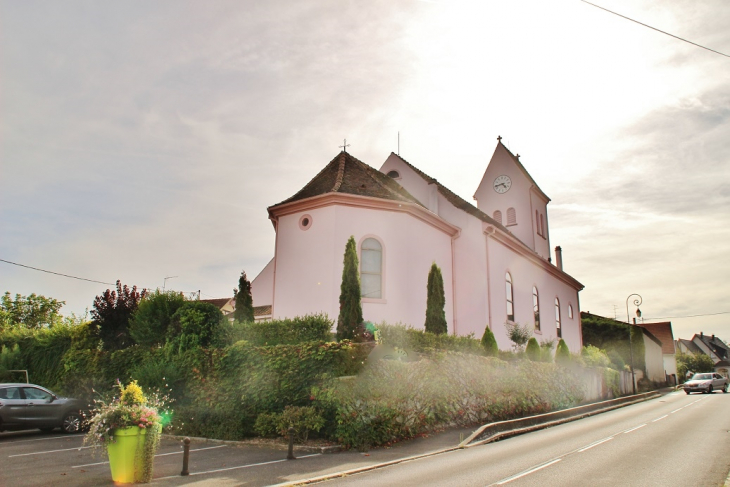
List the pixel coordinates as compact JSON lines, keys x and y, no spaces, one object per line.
{"x":49,"y":451}
{"x":528,"y":472}
{"x":660,"y":418}
{"x":41,"y":439}
{"x":235,"y":468}
{"x":158,"y":455}
{"x":678,"y":409}
{"x":635,"y":428}
{"x":595,"y":444}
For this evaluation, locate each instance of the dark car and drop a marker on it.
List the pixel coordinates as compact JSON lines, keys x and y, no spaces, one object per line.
{"x":706,"y":383}
{"x":28,"y":406}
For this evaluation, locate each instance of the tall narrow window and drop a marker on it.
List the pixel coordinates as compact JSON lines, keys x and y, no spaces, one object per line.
{"x":511,"y":216}
{"x":557,"y":317}
{"x":371,"y":269}
{"x":510,"y":297}
{"x":537,"y":222}
{"x":536,"y":307}
{"x":498,"y":216}
{"x":542,"y":226}
{"x":570,"y":311}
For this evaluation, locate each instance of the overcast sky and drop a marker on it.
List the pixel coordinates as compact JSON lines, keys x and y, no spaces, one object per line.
{"x":141,"y":140}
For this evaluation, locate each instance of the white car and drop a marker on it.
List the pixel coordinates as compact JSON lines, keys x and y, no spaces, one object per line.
{"x":706,"y":383}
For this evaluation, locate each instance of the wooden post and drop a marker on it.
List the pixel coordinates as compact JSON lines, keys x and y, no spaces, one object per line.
{"x":291,"y":456}
{"x":186,"y":456}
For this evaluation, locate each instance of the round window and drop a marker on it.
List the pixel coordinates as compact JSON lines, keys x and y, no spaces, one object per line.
{"x":305,"y":222}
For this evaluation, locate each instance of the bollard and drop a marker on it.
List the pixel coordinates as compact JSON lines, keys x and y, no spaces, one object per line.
{"x":186,"y":456}
{"x":291,"y":456}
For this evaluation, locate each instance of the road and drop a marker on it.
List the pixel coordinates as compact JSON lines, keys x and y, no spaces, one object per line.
{"x":675,"y":440}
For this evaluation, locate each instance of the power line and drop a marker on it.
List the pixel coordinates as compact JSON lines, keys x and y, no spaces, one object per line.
{"x":688,"y":316}
{"x":57,"y":273}
{"x":654,"y":28}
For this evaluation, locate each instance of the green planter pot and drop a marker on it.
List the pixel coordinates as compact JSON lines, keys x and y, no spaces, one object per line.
{"x":126,"y":455}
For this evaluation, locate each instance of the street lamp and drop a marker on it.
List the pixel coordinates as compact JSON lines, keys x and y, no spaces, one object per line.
{"x":637,"y":301}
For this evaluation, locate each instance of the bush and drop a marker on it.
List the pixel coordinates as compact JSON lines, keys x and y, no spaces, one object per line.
{"x":150,"y":322}
{"x":533,"y":350}
{"x":304,"y":420}
{"x":309,"y":328}
{"x":489,"y":343}
{"x":423,"y":341}
{"x":562,"y":353}
{"x":197,"y":324}
{"x":518,"y":335}
{"x":595,"y":357}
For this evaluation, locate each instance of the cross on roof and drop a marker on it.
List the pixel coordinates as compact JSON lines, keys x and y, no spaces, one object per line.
{"x":344,"y":146}
{"x":499,"y":138}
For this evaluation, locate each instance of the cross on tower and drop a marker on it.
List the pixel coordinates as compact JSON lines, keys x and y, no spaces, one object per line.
{"x":499,"y":138}
{"x":344,"y":146}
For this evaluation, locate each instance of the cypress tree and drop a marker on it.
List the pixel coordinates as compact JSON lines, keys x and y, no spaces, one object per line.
{"x":489,"y":343}
{"x":533,"y":349}
{"x":350,"y":308}
{"x":244,"y":300}
{"x":562,"y":354}
{"x":435,"y":302}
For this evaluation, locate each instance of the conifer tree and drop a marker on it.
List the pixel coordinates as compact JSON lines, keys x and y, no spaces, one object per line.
{"x":489,"y":343}
{"x":533,"y":349}
{"x":244,"y":301}
{"x":350,"y":316}
{"x":435,"y":302}
{"x":562,"y":354}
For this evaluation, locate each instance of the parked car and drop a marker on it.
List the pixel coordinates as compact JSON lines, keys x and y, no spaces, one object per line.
{"x":706,"y":383}
{"x":28,"y":406}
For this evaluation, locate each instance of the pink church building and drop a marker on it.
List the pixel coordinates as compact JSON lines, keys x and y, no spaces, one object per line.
{"x":494,"y":257}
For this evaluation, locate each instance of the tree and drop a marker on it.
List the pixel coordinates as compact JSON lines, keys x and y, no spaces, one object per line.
{"x":150,"y":322}
{"x":562,"y":353}
{"x":533,"y":349}
{"x":350,"y":316}
{"x":693,"y":362}
{"x":197,"y":324}
{"x":518,"y":335}
{"x":34,"y":311}
{"x":435,"y":302}
{"x":489,"y":343}
{"x":244,"y":301}
{"x":111,"y":314}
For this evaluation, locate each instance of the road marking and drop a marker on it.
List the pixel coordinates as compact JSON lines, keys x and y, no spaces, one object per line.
{"x":595,"y":444}
{"x":528,"y":472}
{"x":660,"y":418}
{"x":41,"y":439}
{"x":235,"y":468}
{"x":634,"y":429}
{"x":49,"y":451}
{"x":158,"y":455}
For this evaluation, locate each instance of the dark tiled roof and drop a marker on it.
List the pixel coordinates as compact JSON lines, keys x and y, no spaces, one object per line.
{"x":346,"y":174}
{"x":218,"y":302}
{"x":262,"y":310}
{"x":717,"y":346}
{"x":453,"y":198}
{"x":663,"y":331}
{"x":690,"y":345}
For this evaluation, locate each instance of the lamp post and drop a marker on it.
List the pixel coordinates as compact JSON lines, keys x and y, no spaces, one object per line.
{"x":637,"y":301}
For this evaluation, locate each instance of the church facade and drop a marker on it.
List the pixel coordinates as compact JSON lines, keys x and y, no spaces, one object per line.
{"x":495,"y":257}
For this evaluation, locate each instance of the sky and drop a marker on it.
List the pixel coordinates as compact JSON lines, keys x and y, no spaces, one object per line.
{"x":143,"y":140}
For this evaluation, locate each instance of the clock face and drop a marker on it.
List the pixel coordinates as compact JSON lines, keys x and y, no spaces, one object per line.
{"x":502,"y":184}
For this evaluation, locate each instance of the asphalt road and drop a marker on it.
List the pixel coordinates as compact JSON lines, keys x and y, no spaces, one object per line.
{"x":675,"y":440}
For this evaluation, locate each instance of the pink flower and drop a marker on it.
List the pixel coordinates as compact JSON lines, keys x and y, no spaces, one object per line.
{"x":141,"y":425}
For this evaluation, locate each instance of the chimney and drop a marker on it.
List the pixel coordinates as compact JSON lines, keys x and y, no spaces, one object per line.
{"x":702,"y":334}
{"x":559,"y":257}
{"x":713,"y":336}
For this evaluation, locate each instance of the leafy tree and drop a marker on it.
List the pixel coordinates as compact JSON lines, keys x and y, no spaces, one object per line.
{"x":435,"y":302}
{"x":693,"y":362}
{"x":350,"y":307}
{"x":196,"y":324}
{"x":489,"y":343}
{"x":533,"y":350}
{"x":150,"y":322}
{"x":611,"y":335}
{"x":32,"y":311}
{"x":595,"y":357}
{"x":244,"y":301}
{"x":518,"y":334}
{"x":562,"y":353}
{"x":111,"y":314}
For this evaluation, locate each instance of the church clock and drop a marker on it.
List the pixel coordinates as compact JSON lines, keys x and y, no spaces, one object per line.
{"x":502,"y":184}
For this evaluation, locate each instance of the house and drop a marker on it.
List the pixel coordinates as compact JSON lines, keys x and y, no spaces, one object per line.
{"x":226,"y":305}
{"x":494,"y":257}
{"x":712,"y":346}
{"x":663,"y":332}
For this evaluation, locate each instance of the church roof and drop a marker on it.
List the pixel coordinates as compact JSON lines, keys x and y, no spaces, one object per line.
{"x":348,"y":175}
{"x":516,"y":160}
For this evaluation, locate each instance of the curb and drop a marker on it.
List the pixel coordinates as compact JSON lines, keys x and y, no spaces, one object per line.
{"x":284,"y":447}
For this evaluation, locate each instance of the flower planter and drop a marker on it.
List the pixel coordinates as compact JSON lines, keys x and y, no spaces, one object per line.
{"x":126,"y":455}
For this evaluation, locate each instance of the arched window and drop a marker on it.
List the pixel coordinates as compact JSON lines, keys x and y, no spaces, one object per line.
{"x":570,"y":311}
{"x":510,"y":298}
{"x":536,"y":307}
{"x":394,"y":174}
{"x":511,"y":216}
{"x":557,"y":317}
{"x":371,"y":269}
{"x":498,"y":216}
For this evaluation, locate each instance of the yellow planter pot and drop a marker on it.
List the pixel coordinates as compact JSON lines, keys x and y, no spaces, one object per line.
{"x":126,"y":457}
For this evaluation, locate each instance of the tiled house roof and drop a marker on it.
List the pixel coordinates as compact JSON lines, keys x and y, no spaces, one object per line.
{"x":718,"y":347}
{"x":346,"y":174}
{"x":218,"y":302}
{"x":689,"y":345}
{"x":262,"y":310}
{"x":663,"y":331}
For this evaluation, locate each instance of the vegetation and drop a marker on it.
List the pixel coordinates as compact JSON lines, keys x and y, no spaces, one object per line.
{"x":612,"y":335}
{"x":562,"y":353}
{"x":34,"y":311}
{"x":309,"y":328}
{"x":533,"y":350}
{"x":435,"y":302}
{"x":244,"y":300}
{"x":489,"y":343}
{"x":693,"y":362}
{"x":518,"y":335}
{"x":350,"y":317}
{"x":150,"y":323}
{"x":111,"y":313}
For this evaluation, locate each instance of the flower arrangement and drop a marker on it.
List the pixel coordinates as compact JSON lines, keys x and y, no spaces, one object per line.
{"x":132,"y":409}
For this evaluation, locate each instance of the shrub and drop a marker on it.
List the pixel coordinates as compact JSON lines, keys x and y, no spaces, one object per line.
{"x":198,"y":324}
{"x":304,"y":420}
{"x":309,"y":328}
{"x":435,"y":302}
{"x":350,"y":306}
{"x":562,"y":353}
{"x":533,"y":350}
{"x":595,"y":357}
{"x":150,"y":322}
{"x":423,"y":341}
{"x":489,"y":343}
{"x":518,"y":334}
{"x":546,"y":350}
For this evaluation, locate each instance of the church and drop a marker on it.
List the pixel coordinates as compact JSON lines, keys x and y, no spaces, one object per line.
{"x":495,"y":257}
